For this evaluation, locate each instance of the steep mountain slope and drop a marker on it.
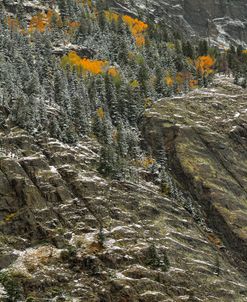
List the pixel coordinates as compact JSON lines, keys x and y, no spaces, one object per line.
{"x":68,"y":233}
{"x":205,"y":136}
{"x":122,"y":179}
{"x":221,"y":21}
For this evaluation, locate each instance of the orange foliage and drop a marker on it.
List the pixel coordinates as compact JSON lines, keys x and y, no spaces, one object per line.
{"x":136,"y":26}
{"x":41,"y":21}
{"x":38,"y":22}
{"x":137,"y":29}
{"x":112,"y":71}
{"x":147,"y":162}
{"x":74,"y":24}
{"x":169,"y":80}
{"x":204,"y":65}
{"x":84,"y":64}
{"x":181,"y":78}
{"x":140,"y":40}
{"x":193,"y":84}
{"x":13,"y":23}
{"x":110,"y":16}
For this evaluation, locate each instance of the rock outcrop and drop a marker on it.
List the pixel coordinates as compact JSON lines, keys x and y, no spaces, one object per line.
{"x":205,"y":137}
{"x":222,"y":22}
{"x":67,"y":233}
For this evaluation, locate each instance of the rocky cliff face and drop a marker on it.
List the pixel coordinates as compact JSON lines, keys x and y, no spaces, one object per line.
{"x":220,"y":21}
{"x":67,"y":233}
{"x":206,"y":139}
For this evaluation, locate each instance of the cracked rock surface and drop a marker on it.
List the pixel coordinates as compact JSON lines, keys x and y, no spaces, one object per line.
{"x":205,"y":136}
{"x":68,"y":234}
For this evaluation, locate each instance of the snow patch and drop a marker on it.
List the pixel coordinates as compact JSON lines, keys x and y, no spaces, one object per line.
{"x":122,"y":276}
{"x":53,"y":169}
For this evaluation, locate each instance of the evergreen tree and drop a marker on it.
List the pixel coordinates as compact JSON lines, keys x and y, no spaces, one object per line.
{"x":203,"y":48}
{"x":188,"y":50}
{"x":122,"y":140}
{"x":159,"y":81}
{"x":107,"y":161}
{"x":143,"y":76}
{"x":111,"y":98}
{"x":239,"y":50}
{"x":64,"y":9}
{"x":54,"y":128}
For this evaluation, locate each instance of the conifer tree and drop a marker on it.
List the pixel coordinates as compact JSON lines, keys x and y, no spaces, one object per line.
{"x":203,"y":48}
{"x":188,"y":49}
{"x":111,"y":98}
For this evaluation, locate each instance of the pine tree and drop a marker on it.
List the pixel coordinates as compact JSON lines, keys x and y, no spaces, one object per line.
{"x":203,"y":48}
{"x":54,"y":128}
{"x":159,"y":81}
{"x":107,"y":161}
{"x":239,"y":50}
{"x":33,"y":86}
{"x":188,"y":49}
{"x":122,"y":55}
{"x":143,"y":76}
{"x":64,"y":9}
{"x":110,"y":93}
{"x":122,"y":140}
